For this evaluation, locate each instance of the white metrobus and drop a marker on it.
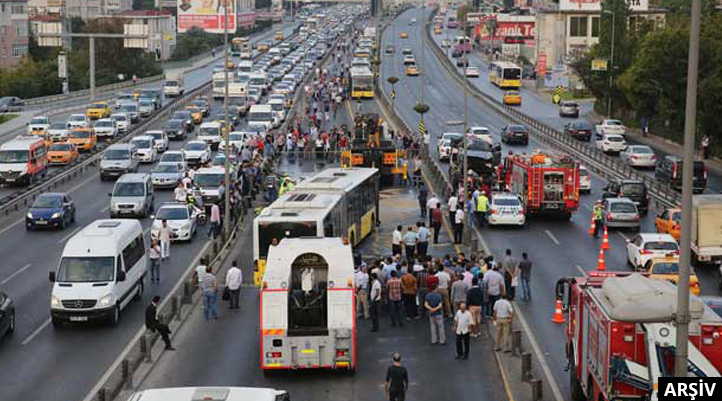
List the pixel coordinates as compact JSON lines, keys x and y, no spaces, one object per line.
{"x":307,"y":305}
{"x":335,"y":202}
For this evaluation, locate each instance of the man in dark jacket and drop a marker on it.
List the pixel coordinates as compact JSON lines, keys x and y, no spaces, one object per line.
{"x":152,"y":323}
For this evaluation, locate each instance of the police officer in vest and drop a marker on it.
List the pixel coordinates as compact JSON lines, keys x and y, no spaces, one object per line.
{"x":482,"y":208}
{"x":598,"y":213}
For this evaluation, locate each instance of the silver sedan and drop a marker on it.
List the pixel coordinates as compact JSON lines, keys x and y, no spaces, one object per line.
{"x":639,"y":156}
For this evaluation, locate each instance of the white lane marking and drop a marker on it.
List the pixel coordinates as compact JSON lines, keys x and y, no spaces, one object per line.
{"x":36,"y":332}
{"x":67,"y":237}
{"x":621,"y":234}
{"x":553,"y":238}
{"x":12,"y":276}
{"x":105,"y":209}
{"x":584,"y":272}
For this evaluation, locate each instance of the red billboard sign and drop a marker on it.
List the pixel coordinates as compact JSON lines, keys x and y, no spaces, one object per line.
{"x":208,"y":15}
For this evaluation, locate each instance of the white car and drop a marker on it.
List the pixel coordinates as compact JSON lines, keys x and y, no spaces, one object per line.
{"x":643,"y":247}
{"x":445,"y":43}
{"x":585,"y":180}
{"x":39,"y":123}
{"x":409,"y":60}
{"x":611,"y":143}
{"x":78,"y":121}
{"x":482,"y":133}
{"x":180,"y":219}
{"x":146,"y":152}
{"x":237,"y":139}
{"x":105,"y":128}
{"x":210,"y":132}
{"x":611,"y":127}
{"x":58,"y":132}
{"x":160,"y":139}
{"x":505,"y":209}
{"x":145,"y":108}
{"x":444,"y":144}
{"x":197,"y":152}
{"x":122,"y":121}
{"x":472,"y":72}
{"x":175,"y":156}
{"x":639,"y":156}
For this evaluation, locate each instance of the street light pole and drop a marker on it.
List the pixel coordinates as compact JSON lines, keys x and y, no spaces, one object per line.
{"x":611,"y":66}
{"x":682,"y":317}
{"x":91,"y":48}
{"x":227,"y":150}
{"x":467,"y":216}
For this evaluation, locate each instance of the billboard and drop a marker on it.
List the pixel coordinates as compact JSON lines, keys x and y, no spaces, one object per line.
{"x":246,"y":19}
{"x":208,"y":15}
{"x":596,"y":5}
{"x":509,"y":28}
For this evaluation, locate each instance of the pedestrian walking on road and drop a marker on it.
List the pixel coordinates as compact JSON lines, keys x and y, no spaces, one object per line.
{"x":410,"y":242}
{"x":434,"y":304}
{"x":234,"y":280}
{"x":154,"y":253}
{"x":503,"y":316}
{"x":375,"y":302}
{"x":153,"y":324}
{"x":396,"y":240}
{"x":475,"y":303}
{"x":397,"y":380}
{"x":459,"y":289}
{"x":459,"y":226}
{"x":705,"y":147}
{"x":423,"y":194}
{"x":444,"y":282}
{"x":510,"y":280}
{"x":421,"y":290}
{"x":463,"y":322}
{"x":431,"y":205}
{"x":422,"y":233}
{"x":598,"y":214}
{"x":215,"y":221}
{"x":361,"y":282}
{"x":209,"y":289}
{"x":525,"y":277}
{"x":164,"y":236}
{"x":393,"y":286}
{"x":436,"y":219}
{"x":494,"y":282}
{"x":453,"y":204}
{"x":409,"y":288}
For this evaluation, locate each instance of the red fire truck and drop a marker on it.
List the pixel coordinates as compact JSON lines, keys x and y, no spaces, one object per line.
{"x":620,"y":338}
{"x":547,"y":183}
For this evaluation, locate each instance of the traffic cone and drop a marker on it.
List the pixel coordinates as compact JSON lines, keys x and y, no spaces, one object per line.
{"x":558,"y":316}
{"x":592,"y":227}
{"x":600,"y":262}
{"x":605,"y":240}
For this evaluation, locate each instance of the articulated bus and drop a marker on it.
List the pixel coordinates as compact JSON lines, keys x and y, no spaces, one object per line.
{"x":362,"y":83}
{"x":333,"y":203}
{"x":505,"y":74}
{"x":307,"y":315}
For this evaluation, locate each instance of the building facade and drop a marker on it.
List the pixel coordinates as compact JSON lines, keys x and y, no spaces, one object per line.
{"x":79,"y":8}
{"x":161,"y":29}
{"x":13,"y":32}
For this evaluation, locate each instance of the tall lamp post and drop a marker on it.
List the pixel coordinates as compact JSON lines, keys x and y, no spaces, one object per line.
{"x":611,"y":65}
{"x":682,"y":317}
{"x":227,"y":150}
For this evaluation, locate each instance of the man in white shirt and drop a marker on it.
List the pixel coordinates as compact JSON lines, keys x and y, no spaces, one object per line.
{"x":396,"y":240}
{"x":234,"y":279}
{"x":179,"y":193}
{"x":444,"y":281}
{"x":459,"y":225}
{"x":463,"y":320}
{"x":503,"y":316}
{"x":164,"y":237}
{"x":430,"y":205}
{"x":361,"y":283}
{"x":453,"y":205}
{"x":375,"y":302}
{"x":494,"y":283}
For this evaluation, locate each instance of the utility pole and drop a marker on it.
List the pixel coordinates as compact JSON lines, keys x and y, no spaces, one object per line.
{"x":467,"y":216}
{"x":611,"y":67}
{"x":682,"y":318}
{"x":227,"y":150}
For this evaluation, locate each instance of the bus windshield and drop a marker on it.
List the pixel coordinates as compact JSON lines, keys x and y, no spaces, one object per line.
{"x":268,"y":231}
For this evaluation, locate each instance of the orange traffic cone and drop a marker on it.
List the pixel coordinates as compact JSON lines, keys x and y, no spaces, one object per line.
{"x":605,"y":240}
{"x":592,"y":227}
{"x":600,"y":262}
{"x":558,"y":316}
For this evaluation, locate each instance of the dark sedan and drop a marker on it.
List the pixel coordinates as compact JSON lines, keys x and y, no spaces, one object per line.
{"x":515,"y":134}
{"x":186,"y":117}
{"x":7,"y":314}
{"x":581,"y":130}
{"x":51,"y":210}
{"x":175,"y":129}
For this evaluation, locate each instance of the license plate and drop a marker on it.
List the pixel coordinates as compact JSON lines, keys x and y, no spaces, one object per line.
{"x":553,"y":206}
{"x":41,"y":222}
{"x":10,"y":179}
{"x":78,"y":318}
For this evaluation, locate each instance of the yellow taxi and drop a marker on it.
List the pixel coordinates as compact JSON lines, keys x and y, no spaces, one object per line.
{"x":403,"y":35}
{"x":196,"y":113}
{"x":263,"y":47}
{"x":230,"y":64}
{"x":412,"y":70}
{"x":667,"y":268}
{"x":98,"y":110}
{"x":512,"y":98}
{"x":437,"y":29}
{"x":62,"y":153}
{"x":136,"y":93}
{"x":84,"y":139}
{"x":278,"y":35}
{"x":668,"y":222}
{"x":44,"y":135}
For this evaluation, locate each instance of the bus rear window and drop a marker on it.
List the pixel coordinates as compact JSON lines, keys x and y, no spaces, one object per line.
{"x":512,"y":73}
{"x":268,"y":231}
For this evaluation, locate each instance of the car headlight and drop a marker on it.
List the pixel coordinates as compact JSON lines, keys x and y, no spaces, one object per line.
{"x":55,"y":302}
{"x":56,"y":215}
{"x":30,"y":215}
{"x":106,"y":300}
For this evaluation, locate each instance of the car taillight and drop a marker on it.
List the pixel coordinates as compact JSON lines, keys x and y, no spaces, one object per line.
{"x":273,"y":354}
{"x":674,"y":172}
{"x":636,"y":217}
{"x":633,"y":156}
{"x":675,"y":253}
{"x":654,"y":157}
{"x":675,"y":227}
{"x":645,"y":252}
{"x":694,"y":284}
{"x":494,"y":211}
{"x":521,"y":211}
{"x":341,"y":352}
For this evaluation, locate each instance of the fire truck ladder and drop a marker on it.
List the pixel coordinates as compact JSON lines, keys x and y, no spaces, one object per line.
{"x":537,"y":185}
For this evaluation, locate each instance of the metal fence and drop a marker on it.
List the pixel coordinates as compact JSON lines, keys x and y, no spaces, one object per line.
{"x":86,"y":92}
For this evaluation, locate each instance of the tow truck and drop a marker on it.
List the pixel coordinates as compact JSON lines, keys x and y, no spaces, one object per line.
{"x":546,"y":182}
{"x":620,"y":336}
{"x":370,"y":148}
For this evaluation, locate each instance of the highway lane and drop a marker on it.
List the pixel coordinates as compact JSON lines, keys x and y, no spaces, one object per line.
{"x":76,"y":356}
{"x":557,"y":247}
{"x":193,"y":79}
{"x":543,"y":110}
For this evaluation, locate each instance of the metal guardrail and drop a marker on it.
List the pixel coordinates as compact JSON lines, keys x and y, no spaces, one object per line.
{"x":592,"y":157}
{"x":86,"y":92}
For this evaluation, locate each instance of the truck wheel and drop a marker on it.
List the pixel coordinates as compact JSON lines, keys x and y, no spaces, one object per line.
{"x":576,"y":387}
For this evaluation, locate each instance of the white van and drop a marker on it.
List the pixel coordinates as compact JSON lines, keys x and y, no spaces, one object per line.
{"x":102,"y":267}
{"x":210,"y":133}
{"x":245,"y":66}
{"x":211,"y":394}
{"x":261,"y":118}
{"x":173,"y":85}
{"x":279,"y":107}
